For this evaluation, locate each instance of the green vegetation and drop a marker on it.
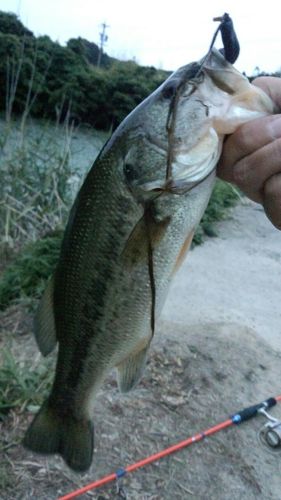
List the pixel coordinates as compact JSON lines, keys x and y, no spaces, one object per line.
{"x":224,"y":196}
{"x":42,"y":78}
{"x":27,"y":274}
{"x":34,"y":181}
{"x":20,"y":386}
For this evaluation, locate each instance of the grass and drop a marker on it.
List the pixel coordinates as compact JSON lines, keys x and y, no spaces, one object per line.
{"x":224,"y":197}
{"x":33,"y":185}
{"x":23,"y":386}
{"x":26,"y":276}
{"x":40,"y":173}
{"x":41,"y":168}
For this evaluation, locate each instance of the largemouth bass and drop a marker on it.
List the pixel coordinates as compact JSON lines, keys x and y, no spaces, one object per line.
{"x":128,"y":232}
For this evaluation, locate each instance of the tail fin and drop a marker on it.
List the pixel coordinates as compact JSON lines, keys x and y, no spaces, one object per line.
{"x":51,"y":433}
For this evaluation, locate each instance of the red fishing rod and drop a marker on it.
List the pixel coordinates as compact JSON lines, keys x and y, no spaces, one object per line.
{"x":270,"y":435}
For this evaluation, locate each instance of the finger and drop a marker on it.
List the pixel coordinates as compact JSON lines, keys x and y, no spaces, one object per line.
{"x":251,"y":173}
{"x":271,"y":85}
{"x":272,"y":200}
{"x":246,"y":140}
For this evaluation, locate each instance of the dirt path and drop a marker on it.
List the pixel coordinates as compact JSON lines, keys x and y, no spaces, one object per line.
{"x":235,"y":278}
{"x":216,"y":350}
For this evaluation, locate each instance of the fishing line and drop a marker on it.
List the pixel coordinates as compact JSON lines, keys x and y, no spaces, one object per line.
{"x":236,"y":419}
{"x":231,"y":47}
{"x":147,"y":219}
{"x":170,"y":126}
{"x":230,"y":51}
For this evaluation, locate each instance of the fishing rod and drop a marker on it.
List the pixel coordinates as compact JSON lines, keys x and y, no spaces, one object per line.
{"x":270,"y":435}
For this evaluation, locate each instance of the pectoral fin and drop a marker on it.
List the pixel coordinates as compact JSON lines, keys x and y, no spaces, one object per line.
{"x":44,"y":322}
{"x":146,"y":230}
{"x":130,"y":371}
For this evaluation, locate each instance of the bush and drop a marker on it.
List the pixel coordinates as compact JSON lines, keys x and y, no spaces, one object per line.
{"x":26,"y":276}
{"x":224,"y":196}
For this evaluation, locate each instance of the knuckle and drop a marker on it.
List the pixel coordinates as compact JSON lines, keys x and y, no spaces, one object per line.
{"x":275,"y":156}
{"x":240,"y":174}
{"x":243,"y":139}
{"x":272,"y":189}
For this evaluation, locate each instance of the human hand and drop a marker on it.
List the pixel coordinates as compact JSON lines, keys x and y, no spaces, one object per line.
{"x":251,"y":156}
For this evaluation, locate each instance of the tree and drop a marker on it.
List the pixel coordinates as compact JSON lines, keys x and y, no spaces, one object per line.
{"x":10,"y":24}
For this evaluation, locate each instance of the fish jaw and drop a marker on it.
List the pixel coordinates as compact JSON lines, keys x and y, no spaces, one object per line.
{"x":212,"y":101}
{"x":222,"y":100}
{"x":193,"y":166}
{"x":234,"y":99}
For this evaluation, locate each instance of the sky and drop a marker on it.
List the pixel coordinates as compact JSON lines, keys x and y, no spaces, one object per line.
{"x":165,"y":34}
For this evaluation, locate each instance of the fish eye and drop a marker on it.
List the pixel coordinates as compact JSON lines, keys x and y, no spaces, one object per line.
{"x":169,"y":90}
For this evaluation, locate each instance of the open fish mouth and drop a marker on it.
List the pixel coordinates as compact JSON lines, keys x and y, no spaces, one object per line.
{"x":176,"y":186}
{"x":221,"y":100}
{"x":189,"y":165}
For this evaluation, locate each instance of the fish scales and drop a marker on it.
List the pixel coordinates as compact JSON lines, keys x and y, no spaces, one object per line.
{"x":94,"y":260}
{"x":128,"y":232}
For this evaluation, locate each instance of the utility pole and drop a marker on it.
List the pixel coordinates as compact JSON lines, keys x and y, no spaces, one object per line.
{"x":103,"y":40}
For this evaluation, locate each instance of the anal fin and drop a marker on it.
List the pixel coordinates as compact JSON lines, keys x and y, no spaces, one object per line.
{"x":44,"y":321}
{"x":131,"y":369}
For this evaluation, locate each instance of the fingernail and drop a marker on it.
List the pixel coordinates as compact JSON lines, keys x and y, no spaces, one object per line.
{"x":274,"y":126}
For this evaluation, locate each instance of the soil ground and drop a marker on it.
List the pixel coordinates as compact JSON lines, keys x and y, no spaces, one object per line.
{"x":217,"y":349}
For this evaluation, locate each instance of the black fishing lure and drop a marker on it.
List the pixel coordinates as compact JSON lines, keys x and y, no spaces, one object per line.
{"x":231,"y":47}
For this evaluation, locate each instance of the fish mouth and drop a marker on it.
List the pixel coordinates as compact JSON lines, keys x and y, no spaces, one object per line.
{"x":189,"y":167}
{"x":175,"y":186}
{"x":178,"y":186}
